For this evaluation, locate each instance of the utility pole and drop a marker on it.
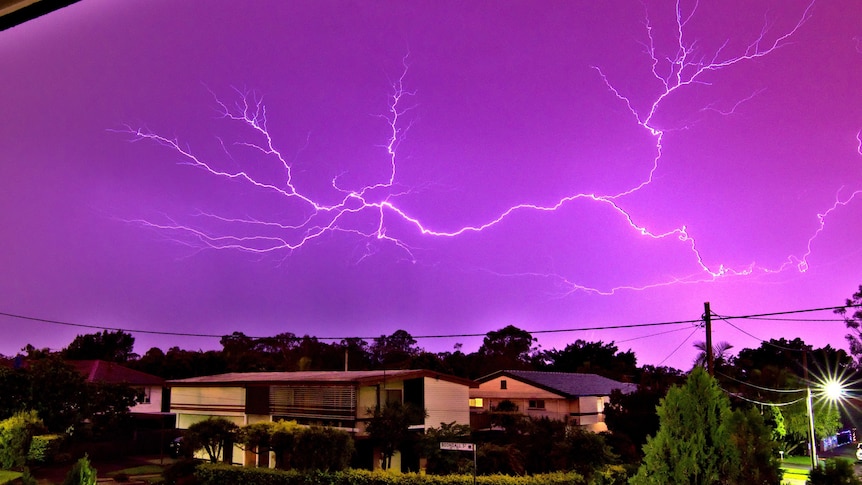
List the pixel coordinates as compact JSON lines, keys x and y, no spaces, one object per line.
{"x":707,"y":320}
{"x":812,"y":439}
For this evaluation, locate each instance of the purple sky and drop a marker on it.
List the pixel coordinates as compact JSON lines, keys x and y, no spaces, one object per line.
{"x":502,"y":104}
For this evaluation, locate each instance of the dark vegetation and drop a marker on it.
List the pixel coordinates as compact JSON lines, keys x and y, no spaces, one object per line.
{"x":46,"y":404}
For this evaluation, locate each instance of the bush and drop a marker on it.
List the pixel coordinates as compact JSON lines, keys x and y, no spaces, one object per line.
{"x":322,"y":448}
{"x":834,"y":471}
{"x":16,"y":433}
{"x":179,"y":472}
{"x":82,"y":473}
{"x":45,"y":447}
{"x":218,"y":474}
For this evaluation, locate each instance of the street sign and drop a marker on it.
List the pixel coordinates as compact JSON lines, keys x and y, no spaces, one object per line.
{"x":444,"y":445}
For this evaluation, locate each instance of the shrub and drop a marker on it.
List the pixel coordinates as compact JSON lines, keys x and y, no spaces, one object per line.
{"x":322,"y":448}
{"x":213,"y":435}
{"x":82,"y":473}
{"x":218,"y":474}
{"x":835,"y":471}
{"x":45,"y":447}
{"x":16,"y":433}
{"x":179,"y":471}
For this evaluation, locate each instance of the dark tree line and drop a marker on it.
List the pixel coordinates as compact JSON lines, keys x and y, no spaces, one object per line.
{"x":507,"y":348}
{"x":63,"y":399}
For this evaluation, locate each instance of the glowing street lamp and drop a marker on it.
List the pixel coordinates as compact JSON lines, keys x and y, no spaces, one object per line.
{"x":833,"y":390}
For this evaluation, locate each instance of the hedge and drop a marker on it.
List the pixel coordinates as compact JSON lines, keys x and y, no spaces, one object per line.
{"x":44,"y":447}
{"x":218,"y":474}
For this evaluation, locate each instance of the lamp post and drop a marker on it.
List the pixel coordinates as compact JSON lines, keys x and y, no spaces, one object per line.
{"x":833,"y":390}
{"x":813,"y":444}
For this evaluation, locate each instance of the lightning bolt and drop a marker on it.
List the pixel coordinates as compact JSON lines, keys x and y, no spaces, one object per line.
{"x":368,"y":211}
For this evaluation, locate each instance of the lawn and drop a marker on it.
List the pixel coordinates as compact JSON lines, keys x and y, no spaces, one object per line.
{"x":7,"y":476}
{"x":796,"y":468}
{"x":139,"y":470}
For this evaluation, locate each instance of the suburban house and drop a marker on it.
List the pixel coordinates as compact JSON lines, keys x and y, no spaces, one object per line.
{"x":149,"y":387}
{"x":340,"y":399}
{"x":577,"y":399}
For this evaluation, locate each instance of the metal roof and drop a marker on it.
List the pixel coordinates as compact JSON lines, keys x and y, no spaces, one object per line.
{"x":369,"y":377}
{"x":568,"y":384}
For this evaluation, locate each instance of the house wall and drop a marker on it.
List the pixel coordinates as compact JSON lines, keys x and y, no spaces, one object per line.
{"x":369,"y":396}
{"x":520,"y":393}
{"x":593,"y":412}
{"x":446,"y":402}
{"x":208,"y":400}
{"x":155,"y":404}
{"x":194,"y":404}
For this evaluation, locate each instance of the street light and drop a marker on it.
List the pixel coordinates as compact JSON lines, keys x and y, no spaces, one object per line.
{"x":833,"y":390}
{"x":812,"y":443}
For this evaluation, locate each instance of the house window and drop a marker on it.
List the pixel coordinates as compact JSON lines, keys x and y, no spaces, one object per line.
{"x":143,"y":395}
{"x":536,"y":404}
{"x":502,"y":383}
{"x":476,"y":402}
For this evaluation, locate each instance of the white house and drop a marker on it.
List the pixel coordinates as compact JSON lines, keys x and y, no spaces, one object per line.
{"x":577,"y":399}
{"x":338,"y":399}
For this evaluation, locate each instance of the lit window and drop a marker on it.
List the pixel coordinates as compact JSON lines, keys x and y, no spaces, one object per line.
{"x":502,"y":383}
{"x":476,"y":402}
{"x":537,"y":404}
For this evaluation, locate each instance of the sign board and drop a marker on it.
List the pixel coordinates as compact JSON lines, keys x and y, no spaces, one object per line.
{"x":444,"y":445}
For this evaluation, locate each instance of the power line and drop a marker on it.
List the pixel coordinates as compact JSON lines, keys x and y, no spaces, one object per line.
{"x":438,"y":336}
{"x":763,"y":341}
{"x":678,"y":346}
{"x":762,"y":403}
{"x":791,"y":312}
{"x":206,"y":335}
{"x":648,"y":336}
{"x":759,"y":387}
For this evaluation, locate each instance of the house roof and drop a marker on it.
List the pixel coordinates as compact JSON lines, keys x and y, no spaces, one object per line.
{"x":314,"y":377}
{"x":113,"y":373}
{"x":568,"y":384}
{"x":14,"y":12}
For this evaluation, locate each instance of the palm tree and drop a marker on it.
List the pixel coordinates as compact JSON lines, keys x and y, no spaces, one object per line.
{"x":720,"y":352}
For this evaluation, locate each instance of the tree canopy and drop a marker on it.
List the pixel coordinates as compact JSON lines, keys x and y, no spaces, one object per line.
{"x":693,"y":444}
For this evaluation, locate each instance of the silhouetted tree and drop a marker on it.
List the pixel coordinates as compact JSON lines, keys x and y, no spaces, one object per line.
{"x":720,"y":354}
{"x":389,"y":428}
{"x":57,"y":392}
{"x":509,"y":348}
{"x":633,"y":415}
{"x":242,"y":353}
{"x":592,"y":358}
{"x":358,"y":353}
{"x":395,"y":351}
{"x":852,"y":315}
{"x":15,"y":389}
{"x":111,"y":346}
{"x":180,"y":364}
